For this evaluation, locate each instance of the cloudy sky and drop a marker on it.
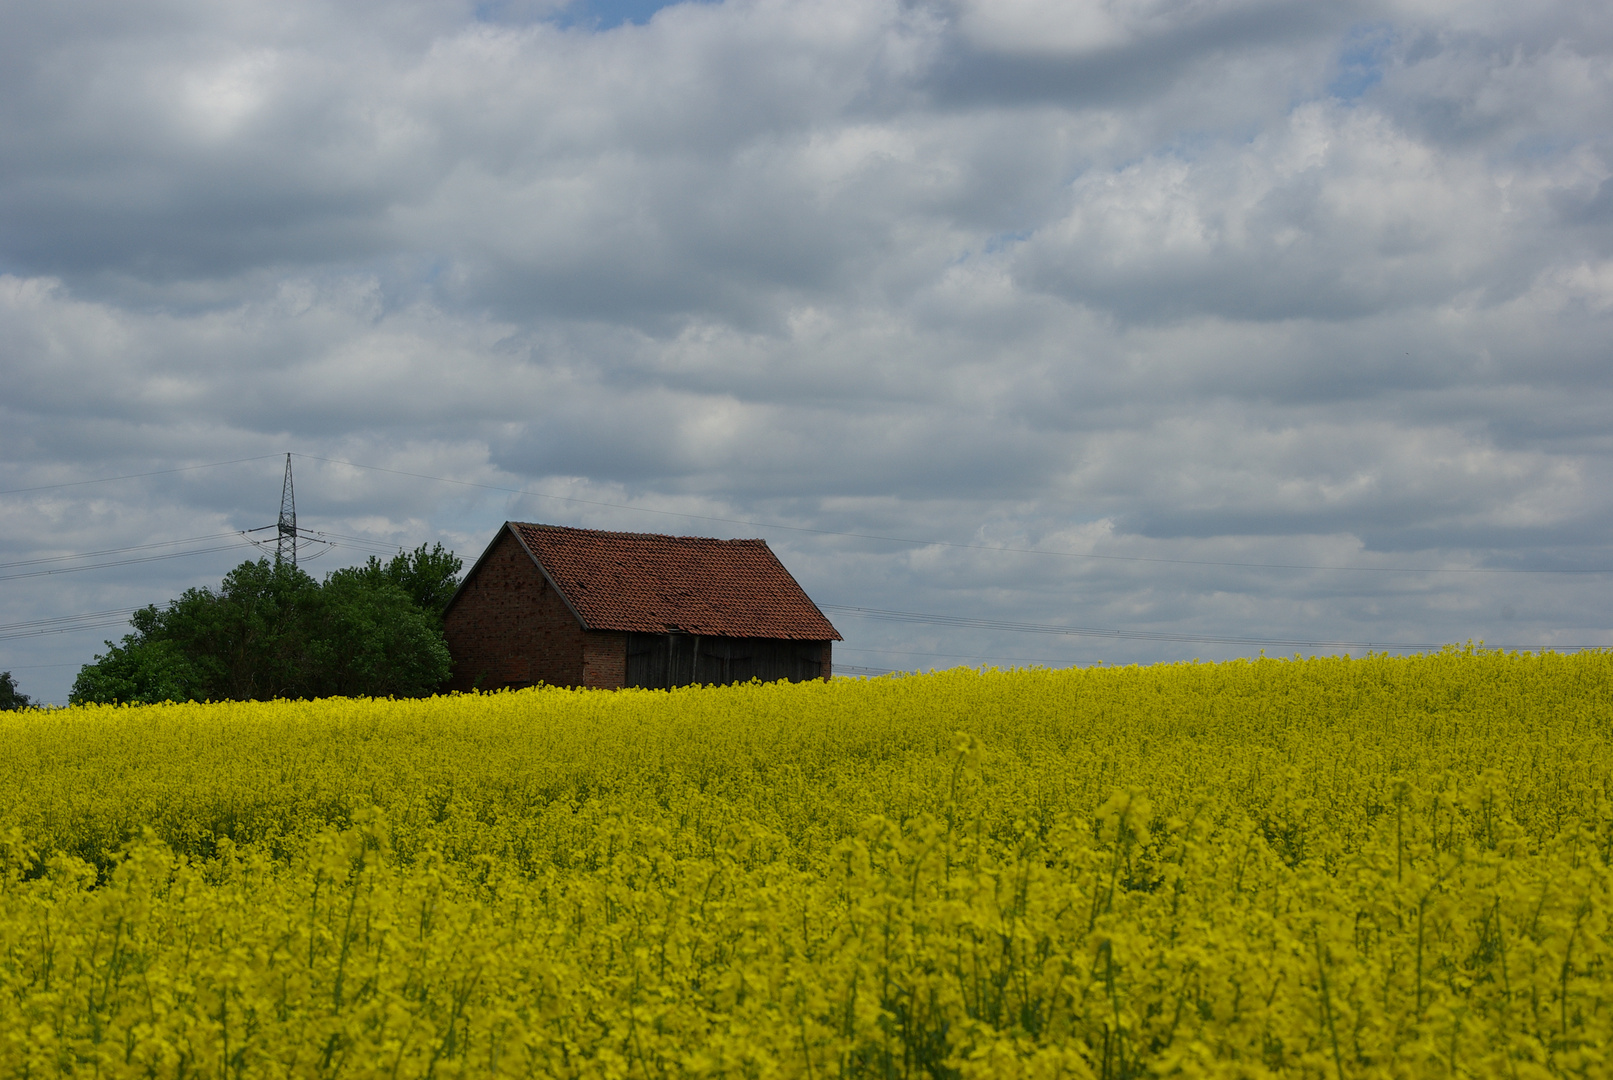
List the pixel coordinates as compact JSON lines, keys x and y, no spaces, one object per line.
{"x":1212,"y":323}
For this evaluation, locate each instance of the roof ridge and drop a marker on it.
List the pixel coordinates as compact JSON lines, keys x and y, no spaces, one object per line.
{"x":647,"y":535}
{"x":652,"y":582}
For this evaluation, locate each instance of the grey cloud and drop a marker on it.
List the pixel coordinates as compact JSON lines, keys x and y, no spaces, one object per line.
{"x":1523,"y":85}
{"x":1171,"y":290}
{"x":1226,"y":472}
{"x":1336,"y":217}
{"x":1589,"y":217}
{"x":1158,"y":52}
{"x":646,"y":438}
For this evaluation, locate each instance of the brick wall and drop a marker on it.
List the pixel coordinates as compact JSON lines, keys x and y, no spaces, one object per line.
{"x":508,"y":628}
{"x":604,"y":659}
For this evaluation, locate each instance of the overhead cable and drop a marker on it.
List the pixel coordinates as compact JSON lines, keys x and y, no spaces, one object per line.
{"x":751,"y":523}
{"x":135,"y":476}
{"x":114,"y":551}
{"x":1024,"y":661}
{"x":66,"y":624}
{"x":1147,"y":635}
{"x":955,"y":544}
{"x":119,"y":562}
{"x":377,"y":545}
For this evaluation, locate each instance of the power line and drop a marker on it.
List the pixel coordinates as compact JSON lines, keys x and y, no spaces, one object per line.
{"x":66,"y":624}
{"x":274,"y":544}
{"x":118,"y":562}
{"x":120,"y":612}
{"x":949,"y":543}
{"x":377,"y":545}
{"x":113,"y":551}
{"x":1146,"y":635}
{"x":135,"y":476}
{"x":64,"y":629}
{"x":1066,"y":661}
{"x":1229,"y":564}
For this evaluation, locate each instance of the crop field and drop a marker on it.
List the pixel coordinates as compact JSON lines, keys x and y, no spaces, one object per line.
{"x":1380,"y":867}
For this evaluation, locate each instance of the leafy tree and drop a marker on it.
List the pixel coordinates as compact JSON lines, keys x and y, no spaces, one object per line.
{"x":248,"y":640}
{"x":429,"y":577}
{"x":10,"y":697}
{"x":371,"y":638}
{"x":139,"y":672}
{"x":245,"y":641}
{"x":271,"y":631}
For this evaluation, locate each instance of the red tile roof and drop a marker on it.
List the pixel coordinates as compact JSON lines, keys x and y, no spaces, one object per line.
{"x":689,"y":584}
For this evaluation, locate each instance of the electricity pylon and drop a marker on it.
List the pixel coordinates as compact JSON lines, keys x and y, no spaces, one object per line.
{"x":286,"y":547}
{"x":286,"y":532}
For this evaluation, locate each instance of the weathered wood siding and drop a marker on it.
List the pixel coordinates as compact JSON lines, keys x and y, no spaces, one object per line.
{"x":659,"y":661}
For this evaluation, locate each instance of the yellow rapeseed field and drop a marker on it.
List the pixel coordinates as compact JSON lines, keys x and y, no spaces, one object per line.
{"x":1381,"y":867}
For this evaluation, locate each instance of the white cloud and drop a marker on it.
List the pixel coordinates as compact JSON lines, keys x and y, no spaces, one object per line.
{"x":1335,"y":214}
{"x":1220,"y":283}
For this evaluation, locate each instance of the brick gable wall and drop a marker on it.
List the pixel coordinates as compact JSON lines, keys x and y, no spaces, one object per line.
{"x":604,"y":659}
{"x":508,"y":628}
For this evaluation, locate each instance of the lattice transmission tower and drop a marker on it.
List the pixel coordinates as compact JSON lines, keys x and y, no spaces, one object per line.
{"x":286,"y":542}
{"x":286,"y":533}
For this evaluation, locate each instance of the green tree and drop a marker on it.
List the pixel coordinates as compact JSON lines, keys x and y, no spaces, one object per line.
{"x":369,"y":638}
{"x":249,"y":641}
{"x":10,"y":697}
{"x":271,"y":631}
{"x":429,"y":577}
{"x":139,"y":672}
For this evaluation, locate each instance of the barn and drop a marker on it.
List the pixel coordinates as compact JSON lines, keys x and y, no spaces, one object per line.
{"x":586,"y":607}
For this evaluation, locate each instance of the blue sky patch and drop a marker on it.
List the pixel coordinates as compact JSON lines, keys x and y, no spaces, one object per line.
{"x":583,"y":14}
{"x":608,"y":14}
{"x":1361,"y":60}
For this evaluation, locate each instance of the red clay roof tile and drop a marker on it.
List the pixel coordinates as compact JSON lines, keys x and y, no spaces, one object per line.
{"x":690,"y":584}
